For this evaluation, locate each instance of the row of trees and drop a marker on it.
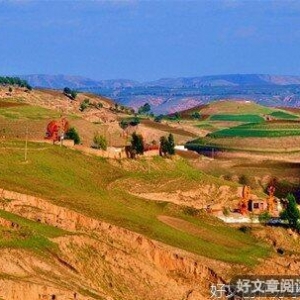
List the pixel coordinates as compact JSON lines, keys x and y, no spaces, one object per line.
{"x":15,"y":81}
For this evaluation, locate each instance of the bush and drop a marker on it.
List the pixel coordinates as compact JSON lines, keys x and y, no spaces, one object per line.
{"x":84,"y":104}
{"x":191,"y":211}
{"x":291,"y":213}
{"x":145,"y":109}
{"x":70,"y":93}
{"x":129,"y":122}
{"x":72,"y":134}
{"x":137,"y":143}
{"x":264,"y":217}
{"x":158,"y":119}
{"x":167,"y":145}
{"x":100,"y":141}
{"x":245,"y":229}
{"x":196,"y":115}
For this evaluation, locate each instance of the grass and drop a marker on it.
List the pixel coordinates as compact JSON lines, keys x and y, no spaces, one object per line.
{"x":29,"y":112}
{"x":28,"y":235}
{"x":97,"y":188}
{"x":247,"y":118}
{"x":283,"y":115}
{"x":265,"y":129}
{"x":235,"y":107}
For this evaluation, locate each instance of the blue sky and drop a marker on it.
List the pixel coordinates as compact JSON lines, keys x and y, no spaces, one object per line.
{"x":146,"y":40}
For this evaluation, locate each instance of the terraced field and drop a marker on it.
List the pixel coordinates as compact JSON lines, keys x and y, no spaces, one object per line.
{"x":266,"y":129}
{"x":283,"y":115}
{"x":245,"y":118}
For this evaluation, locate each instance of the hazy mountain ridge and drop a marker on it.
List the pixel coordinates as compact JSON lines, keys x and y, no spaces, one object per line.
{"x":168,"y":95}
{"x":60,"y":81}
{"x":79,"y":82}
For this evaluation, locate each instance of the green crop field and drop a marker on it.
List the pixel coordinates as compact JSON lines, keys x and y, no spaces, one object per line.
{"x":283,"y":115}
{"x":237,"y":118}
{"x":96,"y":187}
{"x":266,"y":129}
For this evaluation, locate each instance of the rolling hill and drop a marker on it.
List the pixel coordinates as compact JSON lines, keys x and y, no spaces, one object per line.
{"x":78,"y":226}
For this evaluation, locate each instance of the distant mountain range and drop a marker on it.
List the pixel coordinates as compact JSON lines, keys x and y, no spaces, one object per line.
{"x":61,"y":81}
{"x":168,"y":95}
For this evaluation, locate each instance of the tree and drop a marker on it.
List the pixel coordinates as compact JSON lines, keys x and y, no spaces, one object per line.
{"x":291,"y":213}
{"x":145,"y":109}
{"x":100,"y":141}
{"x":159,"y":118}
{"x":137,"y":143}
{"x":70,"y":93}
{"x":167,"y":145}
{"x":196,"y":115}
{"x":72,"y":134}
{"x":67,"y":90}
{"x":171,"y":144}
{"x":73,"y":94}
{"x":163,"y":149}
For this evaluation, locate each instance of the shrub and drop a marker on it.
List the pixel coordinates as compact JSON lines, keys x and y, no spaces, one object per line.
{"x":145,"y":109}
{"x":100,"y":141}
{"x":196,"y":115}
{"x":264,"y":217}
{"x":137,"y":143}
{"x":158,"y":119}
{"x":171,"y":144}
{"x":72,"y":134}
{"x":84,"y":104}
{"x":191,"y":211}
{"x":291,"y":213}
{"x":167,"y":145}
{"x":71,"y":93}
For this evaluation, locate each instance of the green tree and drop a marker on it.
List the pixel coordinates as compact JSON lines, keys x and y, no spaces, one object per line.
{"x":145,"y":109}
{"x":100,"y":141}
{"x":72,"y":134}
{"x":67,"y":90}
{"x":167,"y":145}
{"x":73,"y":94}
{"x":137,"y":143}
{"x":171,"y":144}
{"x":164,"y":146}
{"x":196,"y":115}
{"x":159,"y":118}
{"x":291,"y":213}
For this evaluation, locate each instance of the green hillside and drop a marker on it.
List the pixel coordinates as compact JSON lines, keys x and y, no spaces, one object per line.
{"x":92,"y":186}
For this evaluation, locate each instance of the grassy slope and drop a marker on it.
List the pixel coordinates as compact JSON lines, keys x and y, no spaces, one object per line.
{"x":87,"y":186}
{"x":28,"y":235}
{"x":235,"y":108}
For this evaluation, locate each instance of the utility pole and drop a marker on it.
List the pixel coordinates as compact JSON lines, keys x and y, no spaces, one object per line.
{"x":26,"y":144}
